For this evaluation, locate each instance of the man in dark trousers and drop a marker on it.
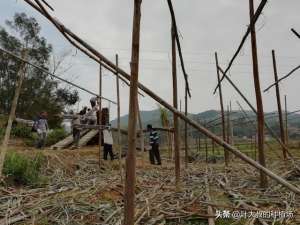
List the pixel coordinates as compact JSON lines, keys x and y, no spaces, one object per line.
{"x":154,"y":151}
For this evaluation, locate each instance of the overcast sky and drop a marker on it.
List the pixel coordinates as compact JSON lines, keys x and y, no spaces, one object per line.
{"x":205,"y":27}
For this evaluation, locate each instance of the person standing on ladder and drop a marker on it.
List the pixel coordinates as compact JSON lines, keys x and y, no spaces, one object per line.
{"x":154,"y":151}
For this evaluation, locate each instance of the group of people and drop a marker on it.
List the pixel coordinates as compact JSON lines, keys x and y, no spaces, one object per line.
{"x":88,"y":116}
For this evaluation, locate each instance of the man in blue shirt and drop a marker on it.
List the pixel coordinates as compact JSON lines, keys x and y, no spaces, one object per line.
{"x":154,"y":151}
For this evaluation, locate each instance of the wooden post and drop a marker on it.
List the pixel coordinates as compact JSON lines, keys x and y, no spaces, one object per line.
{"x":175,"y":117}
{"x":129,"y":205}
{"x":12,"y":115}
{"x":286,"y":122}
{"x":119,"y":120}
{"x":226,"y":153}
{"x":260,"y":110}
{"x":206,"y":150}
{"x":282,"y":134}
{"x":100,"y":113}
{"x":231,"y":126}
{"x":186,"y":128}
{"x":228,"y":125}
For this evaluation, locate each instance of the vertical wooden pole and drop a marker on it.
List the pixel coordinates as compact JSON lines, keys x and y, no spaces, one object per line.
{"x":12,"y":115}
{"x":226,"y":153}
{"x":231,"y":126}
{"x":228,"y":125}
{"x":260,"y":110}
{"x":100,"y":113}
{"x":282,"y":133}
{"x":119,"y":120}
{"x":286,"y":121}
{"x":206,"y":150}
{"x":175,"y":117}
{"x":185,"y":128}
{"x":129,"y":205}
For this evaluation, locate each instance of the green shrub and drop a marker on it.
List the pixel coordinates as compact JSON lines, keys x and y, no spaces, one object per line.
{"x":22,"y":170}
{"x":21,"y":131}
{"x":55,"y":136}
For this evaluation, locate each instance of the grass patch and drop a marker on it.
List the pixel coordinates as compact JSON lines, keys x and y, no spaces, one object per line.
{"x":22,"y":170}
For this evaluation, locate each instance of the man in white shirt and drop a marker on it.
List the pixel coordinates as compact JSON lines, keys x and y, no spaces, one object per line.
{"x":108,"y":143}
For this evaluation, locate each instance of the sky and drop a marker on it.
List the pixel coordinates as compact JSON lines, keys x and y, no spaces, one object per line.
{"x":205,"y":27}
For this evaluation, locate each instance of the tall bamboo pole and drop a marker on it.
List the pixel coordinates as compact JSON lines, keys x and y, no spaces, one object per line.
{"x":231,"y":126}
{"x":226,"y":153}
{"x":175,"y":117}
{"x":260,"y":110}
{"x":119,"y":120}
{"x":100,"y":112}
{"x":186,"y":128}
{"x":286,"y":121}
{"x":12,"y":115}
{"x":129,"y":205}
{"x":282,"y":134}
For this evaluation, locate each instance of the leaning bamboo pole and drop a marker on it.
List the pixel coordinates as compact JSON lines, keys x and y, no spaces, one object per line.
{"x":259,"y":103}
{"x":98,"y":57}
{"x":129,"y":205}
{"x":21,"y":76}
{"x":175,"y":116}
{"x":279,"y":105}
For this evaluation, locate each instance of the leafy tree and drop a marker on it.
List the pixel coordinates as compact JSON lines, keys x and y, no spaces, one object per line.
{"x":39,"y":91}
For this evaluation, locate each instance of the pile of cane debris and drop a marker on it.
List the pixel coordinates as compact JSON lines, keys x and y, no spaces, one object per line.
{"x":84,"y":194}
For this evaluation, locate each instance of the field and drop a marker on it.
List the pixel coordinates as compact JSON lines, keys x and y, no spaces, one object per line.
{"x":75,"y":190}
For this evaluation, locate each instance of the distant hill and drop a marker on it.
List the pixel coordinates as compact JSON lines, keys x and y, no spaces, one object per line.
{"x":241,"y":126}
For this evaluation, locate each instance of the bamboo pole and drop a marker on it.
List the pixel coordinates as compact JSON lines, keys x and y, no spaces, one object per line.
{"x":100,"y":112}
{"x":259,"y":103}
{"x":12,"y":115}
{"x":252,"y":24}
{"x":282,"y":134}
{"x":119,"y":120}
{"x":286,"y":121}
{"x":226,"y":155}
{"x":175,"y":117}
{"x":283,"y":78}
{"x":129,"y":205}
{"x":255,"y":111}
{"x":186,"y":128}
{"x":98,"y":57}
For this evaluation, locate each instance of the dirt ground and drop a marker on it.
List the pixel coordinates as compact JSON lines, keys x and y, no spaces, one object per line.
{"x":78,"y":191}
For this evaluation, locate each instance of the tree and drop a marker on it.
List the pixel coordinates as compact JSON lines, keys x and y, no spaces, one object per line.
{"x":39,"y":91}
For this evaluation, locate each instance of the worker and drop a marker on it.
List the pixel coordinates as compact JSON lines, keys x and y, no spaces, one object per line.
{"x":154,"y":150}
{"x":41,"y":127}
{"x":76,"y":129}
{"x":108,"y":143}
{"x":93,"y":101}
